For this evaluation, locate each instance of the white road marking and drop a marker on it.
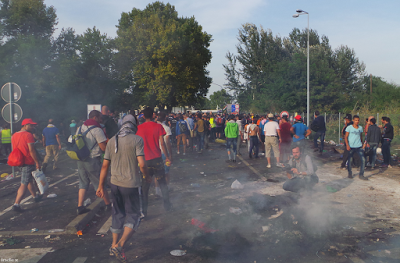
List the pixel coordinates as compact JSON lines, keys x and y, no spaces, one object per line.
{"x":104,"y":229}
{"x":29,"y":197}
{"x":80,"y":260}
{"x":26,"y":255}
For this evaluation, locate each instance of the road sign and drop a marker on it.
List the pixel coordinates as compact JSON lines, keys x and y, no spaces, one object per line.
{"x":12,"y":88}
{"x":16,"y":113}
{"x":284,"y":113}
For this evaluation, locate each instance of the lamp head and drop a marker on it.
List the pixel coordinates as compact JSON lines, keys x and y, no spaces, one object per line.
{"x":299,"y":11}
{"x":295,"y":15}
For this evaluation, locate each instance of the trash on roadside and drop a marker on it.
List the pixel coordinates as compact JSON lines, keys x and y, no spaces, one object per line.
{"x":55,"y":239}
{"x":4,"y":175}
{"x":79,"y":233}
{"x":220,"y":185}
{"x":194,"y":185}
{"x":34,"y":230}
{"x":235,"y":210}
{"x":236,"y":185}
{"x":28,"y":247}
{"x":265,"y":228}
{"x":276,"y":215}
{"x":2,"y":244}
{"x":202,"y":226}
{"x":47,"y":237}
{"x":87,"y":202}
{"x":9,"y":177}
{"x":55,"y":230}
{"x":13,"y":241}
{"x":51,"y":195}
{"x":331,"y":189}
{"x":201,"y":172}
{"x":178,"y":253}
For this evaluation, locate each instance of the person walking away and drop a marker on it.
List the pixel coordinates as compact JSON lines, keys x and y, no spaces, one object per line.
{"x":286,"y":139}
{"x":72,"y":128}
{"x":200,"y":128}
{"x":240,"y":137}
{"x":300,"y":131}
{"x":318,"y":125}
{"x":272,"y":132}
{"x":51,"y":142}
{"x":261,"y":124}
{"x":89,"y":169}
{"x":24,"y":141}
{"x":212,"y":125}
{"x":125,"y":155}
{"x":6,"y":139}
{"x":301,"y":172}
{"x":108,"y":121}
{"x":182,"y":131}
{"x":373,"y":139}
{"x":153,"y":136}
{"x":387,"y":137}
{"x":254,"y":134}
{"x":161,"y":119}
{"x":353,"y":140}
{"x":219,"y":125}
{"x":191,"y":136}
{"x":231,"y":134}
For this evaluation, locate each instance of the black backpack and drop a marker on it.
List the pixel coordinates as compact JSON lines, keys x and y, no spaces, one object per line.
{"x":182,"y":126}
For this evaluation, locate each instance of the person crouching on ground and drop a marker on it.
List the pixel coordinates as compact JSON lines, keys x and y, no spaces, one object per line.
{"x":301,"y":172}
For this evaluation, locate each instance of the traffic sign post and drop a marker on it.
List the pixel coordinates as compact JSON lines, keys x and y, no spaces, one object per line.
{"x":11,"y":112}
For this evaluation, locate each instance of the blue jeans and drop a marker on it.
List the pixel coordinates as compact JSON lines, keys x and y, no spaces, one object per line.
{"x":360,"y":152}
{"x":231,"y":142}
{"x":200,"y":140}
{"x":386,"y":151}
{"x":320,"y":135}
{"x":253,"y":144}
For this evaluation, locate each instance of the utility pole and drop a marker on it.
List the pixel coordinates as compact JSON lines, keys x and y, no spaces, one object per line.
{"x":370,"y":83}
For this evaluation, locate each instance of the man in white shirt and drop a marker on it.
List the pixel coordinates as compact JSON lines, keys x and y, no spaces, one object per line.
{"x":272,"y":132}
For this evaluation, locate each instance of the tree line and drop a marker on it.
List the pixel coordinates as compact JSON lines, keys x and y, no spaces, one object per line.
{"x":269,"y":73}
{"x":157,"y":59}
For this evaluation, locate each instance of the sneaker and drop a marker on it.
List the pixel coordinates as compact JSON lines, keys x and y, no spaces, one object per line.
{"x":350,"y":176}
{"x":107,"y":208}
{"x":17,"y":208}
{"x":363,"y":178}
{"x":268,"y":166}
{"x":119,"y":253}
{"x":280,"y":165}
{"x":110,"y":251}
{"x":38,"y":198}
{"x":82,"y":210}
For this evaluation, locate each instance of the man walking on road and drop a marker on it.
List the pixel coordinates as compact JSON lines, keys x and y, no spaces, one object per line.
{"x":353,"y":140}
{"x":110,"y":125}
{"x":125,"y":154}
{"x":153,"y":137}
{"x":373,"y":139}
{"x":240,"y":137}
{"x":301,"y":174}
{"x":200,"y":128}
{"x":231,"y":134}
{"x":182,"y":132}
{"x":254,"y":133}
{"x":318,"y":125}
{"x":52,"y":143}
{"x":387,"y":137}
{"x":24,"y":141}
{"x":89,"y":169}
{"x":272,"y":132}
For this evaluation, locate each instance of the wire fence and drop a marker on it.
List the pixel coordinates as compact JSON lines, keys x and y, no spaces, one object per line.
{"x":335,"y":123}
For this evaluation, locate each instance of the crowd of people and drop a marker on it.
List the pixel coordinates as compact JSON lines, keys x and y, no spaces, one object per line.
{"x":137,"y":150}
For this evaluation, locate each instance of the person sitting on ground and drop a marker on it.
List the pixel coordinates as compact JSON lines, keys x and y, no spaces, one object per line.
{"x":300,"y":171}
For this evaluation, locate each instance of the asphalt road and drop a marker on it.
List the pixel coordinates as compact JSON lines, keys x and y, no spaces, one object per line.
{"x":213,"y":223}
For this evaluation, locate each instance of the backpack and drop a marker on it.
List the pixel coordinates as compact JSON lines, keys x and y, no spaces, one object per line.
{"x":314,"y":126}
{"x":219,"y":121}
{"x":77,"y":149}
{"x":183,"y":127}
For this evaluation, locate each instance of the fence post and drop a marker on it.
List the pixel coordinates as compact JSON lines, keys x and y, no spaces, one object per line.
{"x":325,"y":117}
{"x":339,"y":128}
{"x":377,"y":119}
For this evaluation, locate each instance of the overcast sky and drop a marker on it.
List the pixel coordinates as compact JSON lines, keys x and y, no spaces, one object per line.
{"x":371,"y":28}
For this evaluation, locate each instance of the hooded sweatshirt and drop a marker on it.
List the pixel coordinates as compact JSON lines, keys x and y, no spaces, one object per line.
{"x":231,"y":129}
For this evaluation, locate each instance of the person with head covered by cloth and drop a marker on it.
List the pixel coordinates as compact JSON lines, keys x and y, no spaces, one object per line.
{"x":300,"y":171}
{"x":125,"y":154}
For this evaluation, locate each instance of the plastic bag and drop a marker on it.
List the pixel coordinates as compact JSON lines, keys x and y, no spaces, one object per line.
{"x":236,"y":185}
{"x":41,"y":181}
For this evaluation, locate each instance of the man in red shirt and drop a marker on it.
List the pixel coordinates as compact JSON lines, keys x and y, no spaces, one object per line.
{"x":153,"y":137}
{"x":24,"y":141}
{"x":285,"y":146}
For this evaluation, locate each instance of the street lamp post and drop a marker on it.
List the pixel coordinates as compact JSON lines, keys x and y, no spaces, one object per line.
{"x":302,"y":12}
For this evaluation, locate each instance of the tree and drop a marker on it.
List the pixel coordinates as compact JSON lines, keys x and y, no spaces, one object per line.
{"x":164,"y":56}
{"x":220,"y":98}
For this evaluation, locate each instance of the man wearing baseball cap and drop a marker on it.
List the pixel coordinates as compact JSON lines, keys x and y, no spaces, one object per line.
{"x":24,"y":141}
{"x":272,"y":132}
{"x":300,"y":131}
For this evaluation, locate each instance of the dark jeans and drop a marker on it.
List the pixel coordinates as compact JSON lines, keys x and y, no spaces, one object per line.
{"x":231,"y":142}
{"x":386,"y":151}
{"x":253,"y":144}
{"x":156,"y":168}
{"x":360,"y":153}
{"x":212,"y":134}
{"x":373,"y":155}
{"x":297,"y":184}
{"x":200,"y":140}
{"x":320,"y":135}
{"x":356,"y":158}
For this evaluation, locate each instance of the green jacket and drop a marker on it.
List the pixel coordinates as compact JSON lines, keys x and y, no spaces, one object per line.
{"x":231,"y":130}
